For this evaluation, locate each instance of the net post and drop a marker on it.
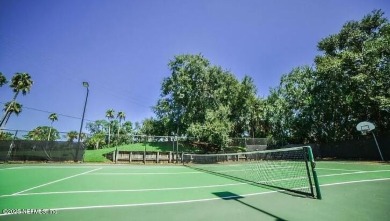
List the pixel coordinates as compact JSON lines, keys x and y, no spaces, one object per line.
{"x":307,"y":161}
{"x":316,"y":183}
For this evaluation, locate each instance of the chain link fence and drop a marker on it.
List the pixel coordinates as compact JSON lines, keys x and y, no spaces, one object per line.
{"x":20,"y":145}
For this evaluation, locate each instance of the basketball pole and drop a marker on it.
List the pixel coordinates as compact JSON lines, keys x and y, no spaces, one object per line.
{"x":377,"y":145}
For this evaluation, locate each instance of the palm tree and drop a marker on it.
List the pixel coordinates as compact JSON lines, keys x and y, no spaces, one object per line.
{"x":121,"y":116}
{"x":11,"y":107}
{"x":35,"y":134}
{"x":21,"y":82}
{"x":72,"y":135}
{"x":3,"y":80}
{"x":110,"y":114}
{"x":41,"y":132}
{"x":52,"y":117}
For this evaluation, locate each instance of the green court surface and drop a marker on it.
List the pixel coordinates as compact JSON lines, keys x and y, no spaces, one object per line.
{"x":350,"y":191}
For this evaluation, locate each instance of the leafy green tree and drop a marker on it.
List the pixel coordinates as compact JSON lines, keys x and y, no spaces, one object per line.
{"x":197,"y":92}
{"x":242,"y":108}
{"x":292,"y":109}
{"x":72,"y":135}
{"x":97,"y":126}
{"x":277,"y":117}
{"x":349,"y":83}
{"x":354,"y":73}
{"x":137,"y":128}
{"x":151,"y":126}
{"x":127,"y":127}
{"x":96,"y":140}
{"x":42,"y":133}
{"x":258,"y":121}
{"x":214,"y":131}
{"x":6,"y":135}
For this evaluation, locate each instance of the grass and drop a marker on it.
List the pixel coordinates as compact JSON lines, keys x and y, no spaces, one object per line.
{"x":97,"y":155}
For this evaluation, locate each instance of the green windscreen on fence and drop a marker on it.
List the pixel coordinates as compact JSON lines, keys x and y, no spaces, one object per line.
{"x":28,"y":150}
{"x":290,"y":169}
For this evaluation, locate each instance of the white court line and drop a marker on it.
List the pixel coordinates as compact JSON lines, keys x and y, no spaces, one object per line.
{"x":167,"y":173}
{"x":148,"y":173}
{"x":131,"y":190}
{"x":12,"y":168}
{"x":55,"y":181}
{"x":57,"y":167}
{"x":357,"y":181}
{"x":115,"y":167}
{"x":154,"y":204}
{"x":320,"y":168}
{"x":355,"y":163}
{"x":169,"y":188}
{"x":164,"y":173}
{"x":196,"y":201}
{"x":358,"y":172}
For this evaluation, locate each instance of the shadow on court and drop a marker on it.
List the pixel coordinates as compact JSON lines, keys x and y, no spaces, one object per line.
{"x":232,"y":196}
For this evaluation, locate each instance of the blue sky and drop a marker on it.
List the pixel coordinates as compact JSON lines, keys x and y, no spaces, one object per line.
{"x":122,"y":48}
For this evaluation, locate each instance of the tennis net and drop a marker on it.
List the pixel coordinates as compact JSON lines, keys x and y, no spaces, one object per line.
{"x":290,"y":169}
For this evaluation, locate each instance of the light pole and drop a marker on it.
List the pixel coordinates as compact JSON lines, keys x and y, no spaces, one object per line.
{"x":86,"y":85}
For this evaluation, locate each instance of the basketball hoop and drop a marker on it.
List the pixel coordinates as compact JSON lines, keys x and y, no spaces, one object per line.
{"x":366,"y":127}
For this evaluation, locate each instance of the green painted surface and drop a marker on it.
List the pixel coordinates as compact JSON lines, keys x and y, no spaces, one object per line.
{"x":157,"y":192}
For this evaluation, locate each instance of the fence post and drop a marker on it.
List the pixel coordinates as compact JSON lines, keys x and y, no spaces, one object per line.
{"x":116,"y":155}
{"x":11,"y":147}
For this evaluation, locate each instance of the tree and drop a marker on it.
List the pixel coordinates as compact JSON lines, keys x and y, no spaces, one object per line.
{"x":349,"y":83}
{"x":196,"y":93}
{"x":149,"y":127}
{"x":214,"y":131}
{"x":20,"y":82}
{"x":52,"y":117}
{"x":258,"y":126}
{"x":110,"y":114}
{"x":3,"y":80}
{"x":10,"y":108}
{"x":127,"y":127}
{"x":120,"y":116}
{"x":42,"y":133}
{"x":72,"y":135}
{"x":290,"y":107}
{"x":96,"y":139}
{"x":6,"y":135}
{"x":354,"y":71}
{"x":242,"y":109}
{"x":137,"y":128}
{"x":97,"y":126}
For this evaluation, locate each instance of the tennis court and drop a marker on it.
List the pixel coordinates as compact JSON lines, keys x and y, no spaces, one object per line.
{"x":350,"y":191}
